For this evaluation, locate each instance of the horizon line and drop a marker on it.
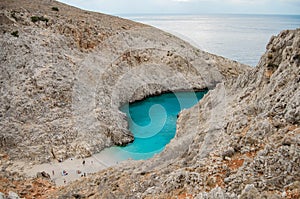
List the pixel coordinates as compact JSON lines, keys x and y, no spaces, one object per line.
{"x":262,"y":14}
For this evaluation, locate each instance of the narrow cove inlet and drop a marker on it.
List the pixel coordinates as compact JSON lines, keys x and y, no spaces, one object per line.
{"x":153,"y":123}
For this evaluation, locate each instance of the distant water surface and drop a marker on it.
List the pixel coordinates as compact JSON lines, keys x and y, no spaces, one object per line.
{"x":239,"y":37}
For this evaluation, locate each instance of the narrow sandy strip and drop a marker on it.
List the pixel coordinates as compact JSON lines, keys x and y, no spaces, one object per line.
{"x":76,"y":168}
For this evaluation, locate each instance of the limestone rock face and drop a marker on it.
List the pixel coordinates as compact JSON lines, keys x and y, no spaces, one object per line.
{"x":240,"y":141}
{"x":65,"y":72}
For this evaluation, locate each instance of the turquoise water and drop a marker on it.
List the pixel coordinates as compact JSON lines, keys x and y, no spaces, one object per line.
{"x":153,"y":122}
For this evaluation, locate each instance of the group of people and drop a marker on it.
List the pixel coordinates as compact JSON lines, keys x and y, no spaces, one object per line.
{"x":65,"y":173}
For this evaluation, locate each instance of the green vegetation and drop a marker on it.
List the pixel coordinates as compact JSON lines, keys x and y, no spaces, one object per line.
{"x":55,"y":9}
{"x":37,"y":18}
{"x":15,"y":33}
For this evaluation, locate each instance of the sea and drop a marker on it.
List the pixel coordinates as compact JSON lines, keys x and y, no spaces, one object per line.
{"x":153,"y":124}
{"x":238,"y":37}
{"x":153,"y":121}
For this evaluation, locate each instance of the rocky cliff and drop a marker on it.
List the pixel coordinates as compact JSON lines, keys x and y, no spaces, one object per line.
{"x":65,"y":72}
{"x":241,"y":141}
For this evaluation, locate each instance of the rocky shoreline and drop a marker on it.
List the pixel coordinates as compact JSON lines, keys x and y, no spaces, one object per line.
{"x":65,"y":72}
{"x":241,"y":141}
{"x":64,"y":78}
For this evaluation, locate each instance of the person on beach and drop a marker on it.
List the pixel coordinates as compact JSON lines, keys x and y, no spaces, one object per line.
{"x":64,"y":173}
{"x":53,"y":172}
{"x":83,"y":163}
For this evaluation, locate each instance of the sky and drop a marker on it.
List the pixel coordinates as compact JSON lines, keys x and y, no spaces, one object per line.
{"x":119,"y":7}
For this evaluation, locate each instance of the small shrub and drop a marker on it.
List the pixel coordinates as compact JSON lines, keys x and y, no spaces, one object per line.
{"x":44,"y":19}
{"x":270,"y":56}
{"x":15,"y":33}
{"x":36,"y":19}
{"x":55,"y":9}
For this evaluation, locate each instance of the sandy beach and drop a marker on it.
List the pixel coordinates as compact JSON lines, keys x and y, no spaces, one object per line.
{"x":78,"y":168}
{"x":75,"y":168}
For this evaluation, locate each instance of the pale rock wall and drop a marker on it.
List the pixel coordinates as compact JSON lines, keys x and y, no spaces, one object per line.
{"x":240,"y":141}
{"x":64,"y":78}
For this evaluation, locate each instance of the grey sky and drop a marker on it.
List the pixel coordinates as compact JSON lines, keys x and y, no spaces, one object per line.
{"x":189,"y":6}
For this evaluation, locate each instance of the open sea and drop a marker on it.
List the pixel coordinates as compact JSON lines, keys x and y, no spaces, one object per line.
{"x":238,"y":37}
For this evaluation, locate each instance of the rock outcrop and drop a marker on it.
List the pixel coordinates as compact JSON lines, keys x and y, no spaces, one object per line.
{"x":65,"y":72}
{"x":241,"y":141}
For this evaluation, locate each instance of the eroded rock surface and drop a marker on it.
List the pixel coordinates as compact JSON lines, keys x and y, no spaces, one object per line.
{"x":64,"y":73}
{"x":241,"y":141}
